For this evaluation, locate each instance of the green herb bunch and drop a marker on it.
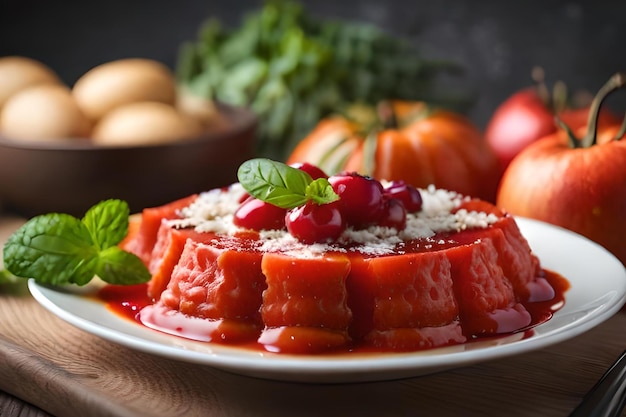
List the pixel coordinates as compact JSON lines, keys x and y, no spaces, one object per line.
{"x":293,"y":70}
{"x":60,"y":249}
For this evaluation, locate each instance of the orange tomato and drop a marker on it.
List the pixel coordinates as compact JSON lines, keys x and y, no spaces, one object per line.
{"x":422,"y":147}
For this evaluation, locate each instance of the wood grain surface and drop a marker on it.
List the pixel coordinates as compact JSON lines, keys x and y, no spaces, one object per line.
{"x":11,"y":406}
{"x":67,"y":372}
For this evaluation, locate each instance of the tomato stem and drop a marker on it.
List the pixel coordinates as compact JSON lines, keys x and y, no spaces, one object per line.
{"x":622,"y":130}
{"x":617,"y":81}
{"x":559,"y":97}
{"x":387,"y":115}
{"x":574,"y":142}
{"x":555,"y":100}
{"x":539,"y":78}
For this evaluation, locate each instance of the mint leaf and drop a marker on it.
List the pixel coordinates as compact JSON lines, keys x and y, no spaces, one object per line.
{"x":281,"y":185}
{"x":10,"y":284}
{"x":122,"y":268}
{"x":52,"y":248}
{"x":60,"y":249}
{"x":108,"y":222}
{"x":6,"y":277}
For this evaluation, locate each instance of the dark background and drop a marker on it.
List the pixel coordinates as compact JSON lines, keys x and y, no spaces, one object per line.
{"x":498,"y":42}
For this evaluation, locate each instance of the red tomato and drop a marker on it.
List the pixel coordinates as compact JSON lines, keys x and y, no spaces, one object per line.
{"x":526,"y":117}
{"x":576,"y":184}
{"x":424,"y":147}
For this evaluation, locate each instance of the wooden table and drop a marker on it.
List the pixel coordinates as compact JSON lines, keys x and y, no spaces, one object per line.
{"x":47,"y":364}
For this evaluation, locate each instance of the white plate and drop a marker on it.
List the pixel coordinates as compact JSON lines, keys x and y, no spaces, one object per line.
{"x":598,"y":290}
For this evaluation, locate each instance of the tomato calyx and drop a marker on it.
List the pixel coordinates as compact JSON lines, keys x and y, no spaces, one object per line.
{"x":369,"y":121}
{"x":614,"y":83}
{"x":387,"y":114}
{"x":554,"y":101}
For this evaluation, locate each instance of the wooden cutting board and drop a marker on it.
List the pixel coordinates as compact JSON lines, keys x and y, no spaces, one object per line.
{"x":68,"y":372}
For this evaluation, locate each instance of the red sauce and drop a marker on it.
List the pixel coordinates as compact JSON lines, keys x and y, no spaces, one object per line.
{"x":125,"y":300}
{"x":128,"y":301}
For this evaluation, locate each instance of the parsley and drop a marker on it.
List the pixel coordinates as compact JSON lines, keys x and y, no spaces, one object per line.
{"x":60,"y":249}
{"x":293,"y":69}
{"x":283,"y":186}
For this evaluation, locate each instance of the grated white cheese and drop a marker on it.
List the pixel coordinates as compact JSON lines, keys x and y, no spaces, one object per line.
{"x":213,"y":212}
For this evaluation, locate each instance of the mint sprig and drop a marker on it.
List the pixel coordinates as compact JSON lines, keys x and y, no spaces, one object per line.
{"x":283,"y":186}
{"x":7,"y":278}
{"x":61,"y":249}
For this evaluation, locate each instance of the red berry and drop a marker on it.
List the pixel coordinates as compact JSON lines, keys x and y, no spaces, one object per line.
{"x":394,"y":214}
{"x":409,"y":195}
{"x":259,"y":215}
{"x":315,"y":223}
{"x":360,"y":198}
{"x":310,"y":169}
{"x":244,"y":197}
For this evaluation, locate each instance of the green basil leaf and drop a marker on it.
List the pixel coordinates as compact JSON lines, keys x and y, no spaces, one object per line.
{"x":120,"y":267}
{"x":274,"y":182}
{"x":321,"y":192}
{"x":108,"y":222}
{"x":282,"y":185}
{"x":53,"y":248}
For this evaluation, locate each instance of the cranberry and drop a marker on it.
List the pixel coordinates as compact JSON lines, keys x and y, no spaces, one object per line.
{"x":394,"y":214}
{"x":244,"y":197}
{"x":259,"y":215}
{"x":409,"y":195}
{"x":315,"y":223}
{"x":310,"y":169}
{"x":360,"y":198}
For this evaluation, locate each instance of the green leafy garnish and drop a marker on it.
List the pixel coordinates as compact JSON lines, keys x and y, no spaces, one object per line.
{"x":293,"y":68}
{"x":7,"y":278}
{"x":283,"y":186}
{"x":60,"y":249}
{"x":12,"y":285}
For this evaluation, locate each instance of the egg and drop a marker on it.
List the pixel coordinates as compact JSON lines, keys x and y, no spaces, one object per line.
{"x":121,"y":82}
{"x":144,"y":123}
{"x":45,"y":112}
{"x":204,"y":111}
{"x":17,"y":73}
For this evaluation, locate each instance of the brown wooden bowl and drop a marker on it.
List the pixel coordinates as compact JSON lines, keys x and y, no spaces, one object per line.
{"x":70,"y":177}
